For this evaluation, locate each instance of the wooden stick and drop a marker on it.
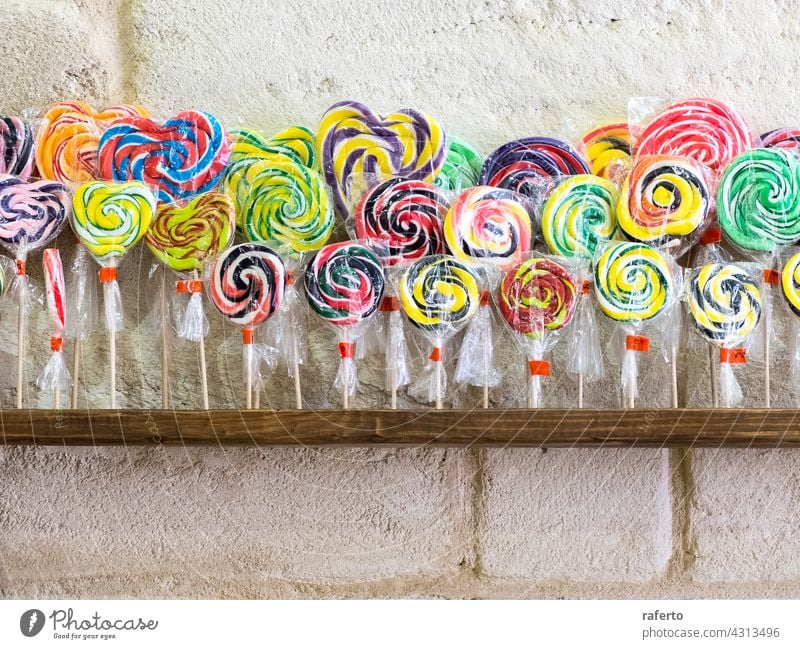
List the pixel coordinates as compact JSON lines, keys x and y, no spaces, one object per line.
{"x":437,"y":368}
{"x":766,"y":350}
{"x":713,"y":371}
{"x":164,"y":348}
{"x":485,"y":376}
{"x":76,"y":366}
{"x":393,"y":387}
{"x":56,"y":398}
{"x":248,"y":388}
{"x":203,"y":366}
{"x":580,"y":390}
{"x":674,"y":377}
{"x":20,"y":338}
{"x":112,"y":349}
{"x":345,"y":388}
{"x":298,"y":395}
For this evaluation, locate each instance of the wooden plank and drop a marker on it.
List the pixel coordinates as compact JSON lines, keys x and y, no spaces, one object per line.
{"x":465,"y":428}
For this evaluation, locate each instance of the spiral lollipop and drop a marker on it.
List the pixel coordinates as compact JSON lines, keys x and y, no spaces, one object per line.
{"x":632,"y":282}
{"x":790,"y":283}
{"x":758,"y":202}
{"x":68,"y":138}
{"x":31,"y":213}
{"x":608,"y":150}
{"x":55,"y":375}
{"x":16,"y":147}
{"x":490,"y":225}
{"x":354,"y":143}
{"x":724,"y":302}
{"x":401,"y":221}
{"x":462,"y":166}
{"x":283,"y":203}
{"x":183,"y":157}
{"x":579,"y":214}
{"x":529,"y":164}
{"x":295,"y":142}
{"x":706,"y":130}
{"x":663,"y":197}
{"x":781,"y":138}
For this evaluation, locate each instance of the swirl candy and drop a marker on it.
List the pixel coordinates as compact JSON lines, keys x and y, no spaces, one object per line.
{"x":16,"y":147}
{"x":31,"y":213}
{"x":706,"y":130}
{"x":401,"y":220}
{"x":439,"y":294}
{"x":295,"y":142}
{"x":662,"y":197}
{"x":283,"y":202}
{"x":537,"y":295}
{"x":179,"y":159}
{"x":758,"y":201}
{"x":247,"y":284}
{"x":724,"y":302}
{"x":462,"y":166}
{"x":184,"y":236}
{"x":489,"y":224}
{"x":781,"y":138}
{"x":579,"y":214}
{"x":790,"y":283}
{"x":354,"y":143}
{"x":527,"y":164}
{"x":608,"y":149}
{"x":109,"y":219}
{"x":55,"y":290}
{"x":67,"y":141}
{"x":344,"y":283}
{"x":632,"y":282}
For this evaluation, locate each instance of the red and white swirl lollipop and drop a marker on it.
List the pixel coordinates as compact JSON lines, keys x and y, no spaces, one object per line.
{"x":55,"y":375}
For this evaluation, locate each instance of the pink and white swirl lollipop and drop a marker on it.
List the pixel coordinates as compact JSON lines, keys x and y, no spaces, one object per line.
{"x":16,"y":147}
{"x":55,"y":375}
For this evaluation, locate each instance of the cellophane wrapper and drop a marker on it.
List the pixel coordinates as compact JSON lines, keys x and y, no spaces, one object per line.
{"x":257,"y":359}
{"x":585,"y":352}
{"x":427,"y":387}
{"x":55,"y":376}
{"x":193,"y":324}
{"x":476,"y":364}
{"x":286,"y":330}
{"x":112,"y":306}
{"x":396,"y":352}
{"x":81,"y":295}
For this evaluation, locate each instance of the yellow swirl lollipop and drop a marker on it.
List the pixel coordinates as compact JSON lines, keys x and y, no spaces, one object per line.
{"x":184,"y":235}
{"x":790,"y":283}
{"x":110,"y":218}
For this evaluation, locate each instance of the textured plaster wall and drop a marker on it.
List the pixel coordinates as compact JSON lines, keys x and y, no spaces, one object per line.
{"x":271,"y":523}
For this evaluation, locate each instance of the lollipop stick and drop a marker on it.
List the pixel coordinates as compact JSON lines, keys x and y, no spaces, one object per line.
{"x":76,"y":366}
{"x":437,"y":368}
{"x":203,"y":367}
{"x":112,"y":349}
{"x":248,"y":388}
{"x":580,"y":390}
{"x":766,"y":357}
{"x":164,"y":350}
{"x":20,"y":341}
{"x":298,"y":395}
{"x":674,"y":377}
{"x":485,"y":377}
{"x":393,"y":387}
{"x":713,"y":371}
{"x":56,"y":399}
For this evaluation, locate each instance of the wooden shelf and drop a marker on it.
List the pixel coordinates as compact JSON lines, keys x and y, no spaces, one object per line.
{"x":463,"y":428}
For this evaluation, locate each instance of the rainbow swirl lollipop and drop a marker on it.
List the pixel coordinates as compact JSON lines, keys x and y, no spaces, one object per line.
{"x":31,"y":213}
{"x":706,"y":130}
{"x":781,"y":138}
{"x":283,"y":203}
{"x":180,"y":158}
{"x":790,"y":283}
{"x":537,"y":295}
{"x":439,"y":294}
{"x":401,"y":221}
{"x":109,"y":219}
{"x":662,"y":197}
{"x":724,"y":302}
{"x":184,"y":236}
{"x":356,"y":145}
{"x":579,"y":214}
{"x":247,"y":284}
{"x":608,"y":149}
{"x":526,"y":165}
{"x":344,"y":283}
{"x":632,"y":282}
{"x":68,"y":138}
{"x":16,"y":147}
{"x":488,"y":224}
{"x":462,"y":166}
{"x":758,"y":201}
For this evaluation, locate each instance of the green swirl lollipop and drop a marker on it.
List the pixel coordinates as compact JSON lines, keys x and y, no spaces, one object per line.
{"x":462,"y":166}
{"x":758,"y":202}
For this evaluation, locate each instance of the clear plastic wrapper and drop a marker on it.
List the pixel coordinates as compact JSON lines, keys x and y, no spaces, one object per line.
{"x":81,"y":296}
{"x":726,"y":304}
{"x":537,"y":298}
{"x":475,"y":364}
{"x":344,"y":285}
{"x":439,"y":295}
{"x":55,"y":375}
{"x":634,"y":284}
{"x":608,"y":148}
{"x":585,"y":352}
{"x":246,"y":285}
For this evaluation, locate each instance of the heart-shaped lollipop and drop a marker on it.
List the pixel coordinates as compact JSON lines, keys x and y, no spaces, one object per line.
{"x":16,"y":147}
{"x":67,"y":141}
{"x":183,"y":236}
{"x":180,"y":158}
{"x":31,"y":213}
{"x":359,"y":148}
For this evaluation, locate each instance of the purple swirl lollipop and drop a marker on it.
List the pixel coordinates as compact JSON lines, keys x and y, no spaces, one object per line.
{"x":525,"y":165}
{"x":16,"y":147}
{"x":31,"y":213}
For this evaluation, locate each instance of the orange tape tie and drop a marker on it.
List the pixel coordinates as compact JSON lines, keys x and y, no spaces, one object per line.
{"x":108,"y":274}
{"x":637,"y":343}
{"x":436,"y":355}
{"x":20,"y":267}
{"x":390,"y":303}
{"x":484,"y":298}
{"x":289,"y":278}
{"x":247,"y":336}
{"x":732,"y":356}
{"x":189,"y":286}
{"x":346,"y":350}
{"x":711,"y":236}
{"x":539,"y":368}
{"x":771,"y":276}
{"x":586,"y":287}
{"x":56,"y":344}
